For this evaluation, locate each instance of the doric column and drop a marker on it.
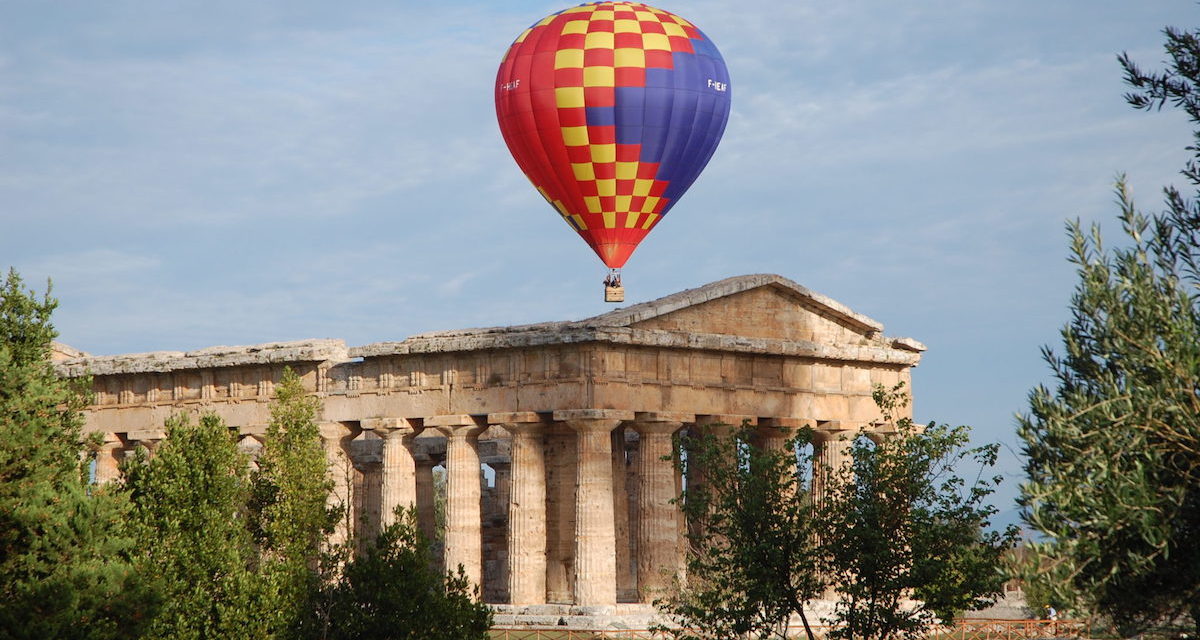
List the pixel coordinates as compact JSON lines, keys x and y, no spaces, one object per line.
{"x":632,"y":448}
{"x":657,"y":522}
{"x":526,"y":510}
{"x":561,"y":466}
{"x":722,"y":427}
{"x":495,"y":532}
{"x":503,"y":486}
{"x":464,"y":527}
{"x":831,"y":453}
{"x":718,"y":425}
{"x":399,"y":468}
{"x":108,"y":459}
{"x":772,"y":435}
{"x":366,"y":456}
{"x":426,"y":501}
{"x":626,"y":580}
{"x":595,"y":535}
{"x":336,"y":438}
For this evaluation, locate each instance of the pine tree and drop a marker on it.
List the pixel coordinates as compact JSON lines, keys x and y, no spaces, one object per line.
{"x":65,"y":553}
{"x":393,"y":593}
{"x":289,"y":509}
{"x":190,"y":509}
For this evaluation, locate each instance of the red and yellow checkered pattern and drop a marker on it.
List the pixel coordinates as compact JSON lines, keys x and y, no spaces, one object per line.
{"x":577,"y":96}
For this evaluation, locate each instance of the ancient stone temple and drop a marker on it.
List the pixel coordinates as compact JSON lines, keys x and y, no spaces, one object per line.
{"x":555,"y":439}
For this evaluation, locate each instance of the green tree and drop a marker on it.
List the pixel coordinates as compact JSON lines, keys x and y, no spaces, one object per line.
{"x":753,"y":562}
{"x":391,"y":592}
{"x":1113,"y":450}
{"x":290,"y":515}
{"x":190,"y":507}
{"x":906,"y":540}
{"x":900,"y":537}
{"x":65,"y":555}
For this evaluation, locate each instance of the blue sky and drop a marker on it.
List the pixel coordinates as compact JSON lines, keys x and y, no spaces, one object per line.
{"x":201,"y":173}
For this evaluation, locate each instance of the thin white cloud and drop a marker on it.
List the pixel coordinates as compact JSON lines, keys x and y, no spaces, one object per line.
{"x":91,"y":264}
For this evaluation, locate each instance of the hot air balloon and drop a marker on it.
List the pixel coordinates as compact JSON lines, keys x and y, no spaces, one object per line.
{"x":612,"y":109}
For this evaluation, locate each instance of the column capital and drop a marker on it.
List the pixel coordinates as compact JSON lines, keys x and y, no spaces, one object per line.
{"x":390,"y":427}
{"x":593,"y":425}
{"x":333,"y":430}
{"x":518,"y":417}
{"x":526,"y":429}
{"x":146,"y":435}
{"x":718,"y":429}
{"x":727,"y":419}
{"x":568,"y":415}
{"x":455,"y":420}
{"x":460,"y":432}
{"x":832,"y":431}
{"x":457,"y":425}
{"x":885,"y":429}
{"x":149,"y":444}
{"x":520,"y":423}
{"x":110,"y":445}
{"x":881,"y":437}
{"x":655,"y":427}
{"x":592,"y":420}
{"x":787,"y":423}
{"x":663,"y":416}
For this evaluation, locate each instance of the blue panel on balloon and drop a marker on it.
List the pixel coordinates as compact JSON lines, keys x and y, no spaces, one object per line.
{"x":601,"y":116}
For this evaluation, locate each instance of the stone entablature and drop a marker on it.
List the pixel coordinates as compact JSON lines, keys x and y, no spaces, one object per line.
{"x":573,"y":416}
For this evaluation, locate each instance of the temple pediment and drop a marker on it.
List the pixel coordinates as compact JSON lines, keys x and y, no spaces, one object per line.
{"x":759,"y":306}
{"x":761,"y":313}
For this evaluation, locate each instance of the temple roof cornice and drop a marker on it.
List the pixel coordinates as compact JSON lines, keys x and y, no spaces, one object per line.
{"x":698,"y":318}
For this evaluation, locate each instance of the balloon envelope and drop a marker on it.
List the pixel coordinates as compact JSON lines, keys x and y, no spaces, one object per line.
{"x":612,"y":109}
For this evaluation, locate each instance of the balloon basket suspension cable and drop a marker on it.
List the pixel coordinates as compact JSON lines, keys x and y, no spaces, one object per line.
{"x":613,"y":291}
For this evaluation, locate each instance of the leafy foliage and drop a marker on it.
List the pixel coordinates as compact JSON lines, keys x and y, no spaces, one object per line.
{"x":896,"y":533}
{"x":1113,"y":451}
{"x":392,"y":592}
{"x":753,"y":561}
{"x":241,"y":556}
{"x":189,"y":545}
{"x":190,"y":507}
{"x":906,"y":540}
{"x":65,"y":553}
